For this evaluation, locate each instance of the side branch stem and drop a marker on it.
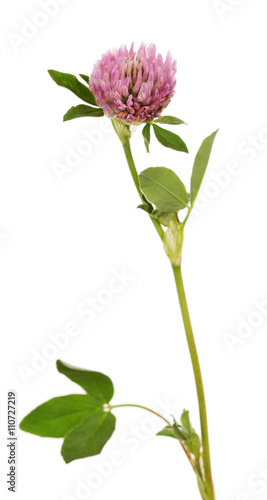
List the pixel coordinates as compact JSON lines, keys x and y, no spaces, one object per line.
{"x":190,"y":458}
{"x":143,"y":408}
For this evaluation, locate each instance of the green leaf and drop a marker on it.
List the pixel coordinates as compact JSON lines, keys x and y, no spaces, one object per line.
{"x":82,"y":111}
{"x":193,"y":445}
{"x":167,"y":431}
{"x":186,"y":422}
{"x":89,"y":437}
{"x":163,"y":188}
{"x":179,"y":433}
{"x":170,"y":120}
{"x":173,"y":431}
{"x":58,"y":415}
{"x":146,"y":202}
{"x":146,"y":135}
{"x":169,"y":139}
{"x":158,"y":213}
{"x":71,"y":83}
{"x":97,"y":385}
{"x":145,"y":207}
{"x":200,"y":165}
{"x":85,"y":78}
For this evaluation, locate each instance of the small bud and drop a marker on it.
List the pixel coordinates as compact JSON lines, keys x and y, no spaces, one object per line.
{"x":164,"y":217}
{"x":178,"y":432}
{"x":173,"y":242}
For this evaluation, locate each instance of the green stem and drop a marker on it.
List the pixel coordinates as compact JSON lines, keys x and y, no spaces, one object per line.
{"x":143,"y":408}
{"x":198,"y":378}
{"x":189,"y":335}
{"x":129,"y":157}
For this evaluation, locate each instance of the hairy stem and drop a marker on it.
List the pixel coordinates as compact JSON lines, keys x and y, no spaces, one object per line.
{"x":131,"y":164}
{"x":143,"y":408}
{"x":198,"y":378}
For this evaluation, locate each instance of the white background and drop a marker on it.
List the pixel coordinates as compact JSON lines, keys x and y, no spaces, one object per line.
{"x":61,"y":242}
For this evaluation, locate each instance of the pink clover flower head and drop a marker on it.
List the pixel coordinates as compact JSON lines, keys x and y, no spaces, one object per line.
{"x":133,"y":87}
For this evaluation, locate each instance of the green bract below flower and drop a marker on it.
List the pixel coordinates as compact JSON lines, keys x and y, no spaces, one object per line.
{"x":133,"y":88}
